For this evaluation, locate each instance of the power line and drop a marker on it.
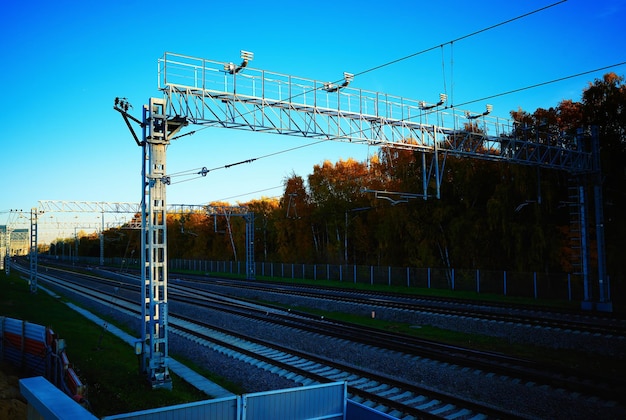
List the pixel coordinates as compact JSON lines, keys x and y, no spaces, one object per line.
{"x":451,"y":42}
{"x":488,"y":28}
{"x":196,"y":173}
{"x":544,"y":83}
{"x":248,"y":193}
{"x":204,"y":171}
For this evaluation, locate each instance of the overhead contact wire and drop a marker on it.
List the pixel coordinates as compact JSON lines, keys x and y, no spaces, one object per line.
{"x":203,"y":171}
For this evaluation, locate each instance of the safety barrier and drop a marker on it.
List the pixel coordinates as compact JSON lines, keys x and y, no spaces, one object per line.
{"x":321,"y":401}
{"x":37,"y":351}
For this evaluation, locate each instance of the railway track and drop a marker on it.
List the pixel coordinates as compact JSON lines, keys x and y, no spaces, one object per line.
{"x":524,"y":369}
{"x":539,"y":317}
{"x":393,"y":396}
{"x":399,"y":399}
{"x":395,"y":392}
{"x":542,"y":317}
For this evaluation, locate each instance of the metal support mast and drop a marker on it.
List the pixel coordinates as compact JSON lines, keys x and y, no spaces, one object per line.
{"x":157,"y":133}
{"x":250,"y":272}
{"x":604,"y":299}
{"x":33,"y":250}
{"x":154,"y":245}
{"x":102,"y":241}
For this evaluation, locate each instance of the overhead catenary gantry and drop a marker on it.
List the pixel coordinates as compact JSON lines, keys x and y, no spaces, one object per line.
{"x":205,"y":92}
{"x":154,"y":298}
{"x":222,"y":94}
{"x":201,"y":92}
{"x":227,"y":212}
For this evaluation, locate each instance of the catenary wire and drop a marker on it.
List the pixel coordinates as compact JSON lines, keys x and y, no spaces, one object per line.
{"x":196,"y":174}
{"x":415,"y":54}
{"x":248,"y":193}
{"x":543,"y":83}
{"x":488,"y":28}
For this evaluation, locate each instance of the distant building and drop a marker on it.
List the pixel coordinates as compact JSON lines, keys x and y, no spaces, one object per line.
{"x":18,"y":242}
{"x":3,"y":247}
{"x":20,"y":245}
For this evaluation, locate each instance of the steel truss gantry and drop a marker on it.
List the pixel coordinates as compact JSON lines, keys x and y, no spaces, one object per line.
{"x":210,"y":93}
{"x":99,"y":207}
{"x":226,"y":211}
{"x":202,"y":92}
{"x":220,"y":94}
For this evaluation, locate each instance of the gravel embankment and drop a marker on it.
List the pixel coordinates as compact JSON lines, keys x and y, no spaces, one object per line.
{"x":531,"y":401}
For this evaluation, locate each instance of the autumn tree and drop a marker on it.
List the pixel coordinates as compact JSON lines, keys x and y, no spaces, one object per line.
{"x":293,"y":225}
{"x":604,"y":106}
{"x":335,"y":189}
{"x":266,"y":214}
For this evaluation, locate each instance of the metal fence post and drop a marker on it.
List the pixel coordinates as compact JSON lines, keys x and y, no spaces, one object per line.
{"x":569,"y":287}
{"x":452,"y":279}
{"x":212,"y":266}
{"x":504,"y":281}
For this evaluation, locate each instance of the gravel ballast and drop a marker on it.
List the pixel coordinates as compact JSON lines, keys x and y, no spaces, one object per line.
{"x":524,"y":399}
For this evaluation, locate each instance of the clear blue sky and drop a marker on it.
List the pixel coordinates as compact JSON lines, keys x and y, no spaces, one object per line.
{"x":64,"y":62}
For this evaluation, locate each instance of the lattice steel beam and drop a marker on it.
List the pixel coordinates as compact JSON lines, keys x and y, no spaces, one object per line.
{"x":227,"y":211}
{"x":212,"y":93}
{"x":204,"y":93}
{"x":88,"y":206}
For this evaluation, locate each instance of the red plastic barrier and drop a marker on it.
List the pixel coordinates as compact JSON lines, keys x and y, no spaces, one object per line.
{"x":48,"y":348}
{"x":30,"y":346}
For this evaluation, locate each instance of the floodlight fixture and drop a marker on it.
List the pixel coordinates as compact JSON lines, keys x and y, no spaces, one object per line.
{"x":246,"y":57}
{"x":442,"y":100}
{"x":122,"y":104}
{"x":488,"y":110}
{"x":347,"y":79}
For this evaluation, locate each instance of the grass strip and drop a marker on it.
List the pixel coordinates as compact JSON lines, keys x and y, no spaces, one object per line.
{"x":104,"y":362}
